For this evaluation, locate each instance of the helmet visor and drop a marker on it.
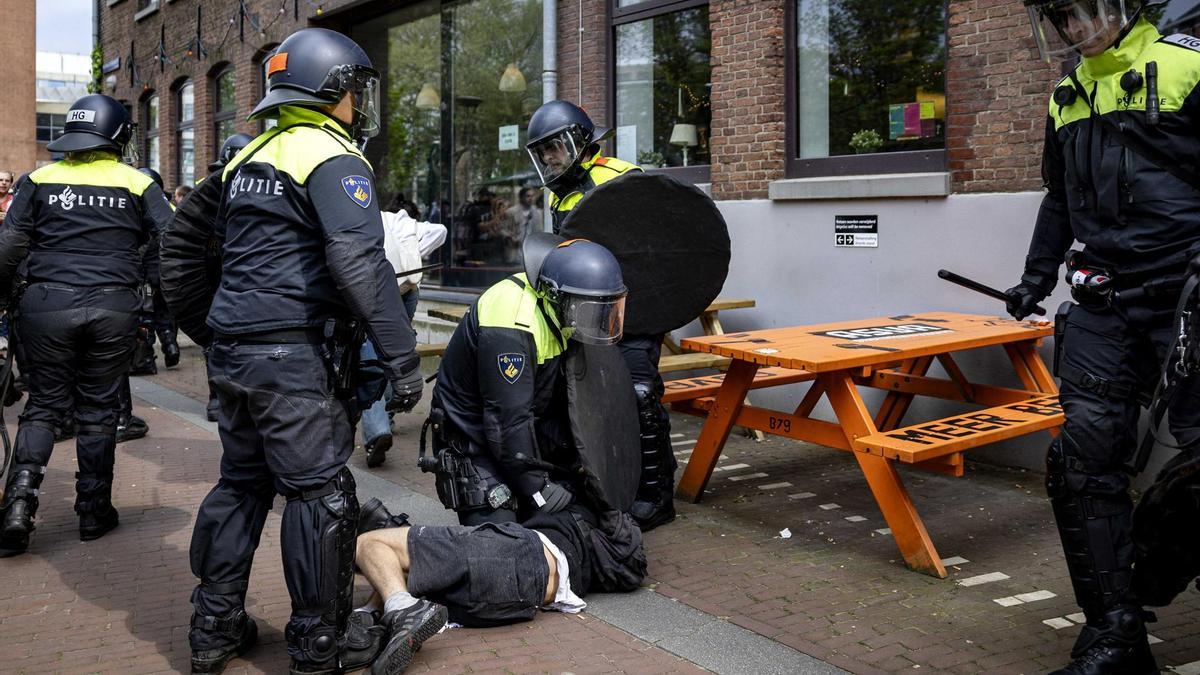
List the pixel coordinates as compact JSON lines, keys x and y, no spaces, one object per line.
{"x":362,"y":84}
{"x":554,"y":155}
{"x":594,"y":321}
{"x":1086,"y":27}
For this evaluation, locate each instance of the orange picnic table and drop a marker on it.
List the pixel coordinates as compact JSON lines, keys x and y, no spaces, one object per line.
{"x":888,"y":353}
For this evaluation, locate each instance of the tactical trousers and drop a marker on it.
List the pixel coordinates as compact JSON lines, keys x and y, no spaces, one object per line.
{"x":282,"y":431}
{"x":1107,"y":363}
{"x":76,"y":343}
{"x":164,"y":323}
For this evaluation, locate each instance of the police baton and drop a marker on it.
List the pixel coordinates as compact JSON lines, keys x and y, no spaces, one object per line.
{"x":419,"y":270}
{"x":982,"y":288}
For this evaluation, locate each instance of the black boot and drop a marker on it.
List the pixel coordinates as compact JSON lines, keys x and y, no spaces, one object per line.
{"x":18,"y":508}
{"x":377,"y":450}
{"x":170,"y":352}
{"x":1118,"y":646}
{"x":407,"y":630}
{"x":216,"y":640}
{"x":131,"y":427}
{"x":364,"y":638}
{"x":96,"y":521}
{"x":375,"y":516}
{"x":654,"y":504}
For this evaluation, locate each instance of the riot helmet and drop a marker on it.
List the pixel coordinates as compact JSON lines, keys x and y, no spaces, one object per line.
{"x":315,"y":67}
{"x":154,"y":176}
{"x":98,"y":122}
{"x":582,"y":282}
{"x":561,"y":136}
{"x":229,"y":149}
{"x":1086,"y":27}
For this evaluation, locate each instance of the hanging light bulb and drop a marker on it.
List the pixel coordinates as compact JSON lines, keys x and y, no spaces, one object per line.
{"x":428,"y":99}
{"x":512,"y":79}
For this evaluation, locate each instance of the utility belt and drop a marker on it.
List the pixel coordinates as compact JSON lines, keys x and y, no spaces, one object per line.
{"x":1098,"y":288}
{"x":460,"y":485}
{"x":340,"y":341}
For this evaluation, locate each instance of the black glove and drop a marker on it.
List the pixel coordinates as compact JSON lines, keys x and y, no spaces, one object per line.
{"x":555,"y":498}
{"x":1023,"y":299}
{"x":406,"y":391}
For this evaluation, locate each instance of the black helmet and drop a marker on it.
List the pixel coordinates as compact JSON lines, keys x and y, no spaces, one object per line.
{"x":316,"y":67}
{"x":229,"y":149}
{"x":563,"y":132}
{"x":154,"y":175}
{"x":97,"y":122}
{"x":582,"y":280}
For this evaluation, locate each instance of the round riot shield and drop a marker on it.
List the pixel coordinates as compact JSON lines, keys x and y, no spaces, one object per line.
{"x":604,"y":422}
{"x":671,"y":241}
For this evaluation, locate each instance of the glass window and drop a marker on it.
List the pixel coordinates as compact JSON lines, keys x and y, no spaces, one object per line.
{"x":150,"y":129}
{"x":186,"y":168}
{"x":663,"y":73}
{"x":265,"y":54}
{"x":870,"y":77}
{"x":49,"y":126}
{"x":461,"y":82}
{"x":224,"y":109}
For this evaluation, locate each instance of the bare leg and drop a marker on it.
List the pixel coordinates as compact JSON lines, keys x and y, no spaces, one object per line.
{"x":382,"y":555}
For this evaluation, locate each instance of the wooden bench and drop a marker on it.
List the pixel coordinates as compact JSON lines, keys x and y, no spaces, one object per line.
{"x":939,"y":438}
{"x":706,"y":386}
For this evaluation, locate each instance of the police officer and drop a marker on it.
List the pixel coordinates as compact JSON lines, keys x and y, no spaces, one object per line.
{"x":80,"y":224}
{"x":1117,"y":137}
{"x":565,"y":148}
{"x":499,"y":406}
{"x":302,"y":257}
{"x":229,"y":148}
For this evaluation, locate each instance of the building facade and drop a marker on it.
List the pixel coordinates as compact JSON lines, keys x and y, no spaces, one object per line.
{"x":18,"y":149}
{"x":926,"y":117}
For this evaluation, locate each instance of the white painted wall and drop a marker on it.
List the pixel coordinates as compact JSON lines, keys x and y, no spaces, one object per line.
{"x":784,"y":258}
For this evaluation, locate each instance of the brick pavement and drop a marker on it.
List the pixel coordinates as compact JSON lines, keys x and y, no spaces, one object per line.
{"x":120,"y":604}
{"x":835,"y":589}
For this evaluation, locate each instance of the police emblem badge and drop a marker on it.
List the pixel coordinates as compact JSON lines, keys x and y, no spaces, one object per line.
{"x":358,"y":188}
{"x":511,"y":366}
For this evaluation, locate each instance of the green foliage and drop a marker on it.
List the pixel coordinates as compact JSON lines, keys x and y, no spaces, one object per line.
{"x":649,"y":158}
{"x":95,"y":85}
{"x":866,"y":140}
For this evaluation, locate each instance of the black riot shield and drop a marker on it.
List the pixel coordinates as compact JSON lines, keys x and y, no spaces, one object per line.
{"x":670,"y":239}
{"x":604,"y":422}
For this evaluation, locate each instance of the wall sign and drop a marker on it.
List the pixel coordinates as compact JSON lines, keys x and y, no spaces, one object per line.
{"x":510,"y":137}
{"x":856,"y":231}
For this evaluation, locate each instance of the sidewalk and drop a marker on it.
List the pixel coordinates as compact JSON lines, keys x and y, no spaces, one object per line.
{"x":719,"y":575}
{"x":120,"y":604}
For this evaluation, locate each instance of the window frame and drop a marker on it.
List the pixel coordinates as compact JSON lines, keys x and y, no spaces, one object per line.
{"x":182,"y":125}
{"x":911,"y":161}
{"x":619,"y":16}
{"x":218,"y":115}
{"x":149,"y":132}
{"x":260,"y":77}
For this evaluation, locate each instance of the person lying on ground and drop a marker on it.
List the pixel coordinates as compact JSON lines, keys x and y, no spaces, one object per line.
{"x":425,"y":576}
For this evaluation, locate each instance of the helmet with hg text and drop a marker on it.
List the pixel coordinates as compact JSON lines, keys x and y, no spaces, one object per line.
{"x":97,"y":122}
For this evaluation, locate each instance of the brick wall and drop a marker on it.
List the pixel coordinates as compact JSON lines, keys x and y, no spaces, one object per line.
{"x":178,"y":20}
{"x":997,"y":94}
{"x":748,"y":96}
{"x":18,"y":134}
{"x":592,"y":44}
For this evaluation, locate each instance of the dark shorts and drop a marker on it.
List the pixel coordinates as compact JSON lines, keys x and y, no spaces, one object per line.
{"x":489,"y":575}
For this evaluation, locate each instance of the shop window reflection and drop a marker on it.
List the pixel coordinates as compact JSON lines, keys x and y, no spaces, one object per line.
{"x":462,"y":80}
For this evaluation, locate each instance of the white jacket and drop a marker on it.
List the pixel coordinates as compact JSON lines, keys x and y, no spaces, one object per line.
{"x":406,"y":241}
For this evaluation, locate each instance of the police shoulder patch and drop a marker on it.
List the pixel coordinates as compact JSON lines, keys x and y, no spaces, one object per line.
{"x":511,"y":366}
{"x":358,"y":188}
{"x":1183,"y":40}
